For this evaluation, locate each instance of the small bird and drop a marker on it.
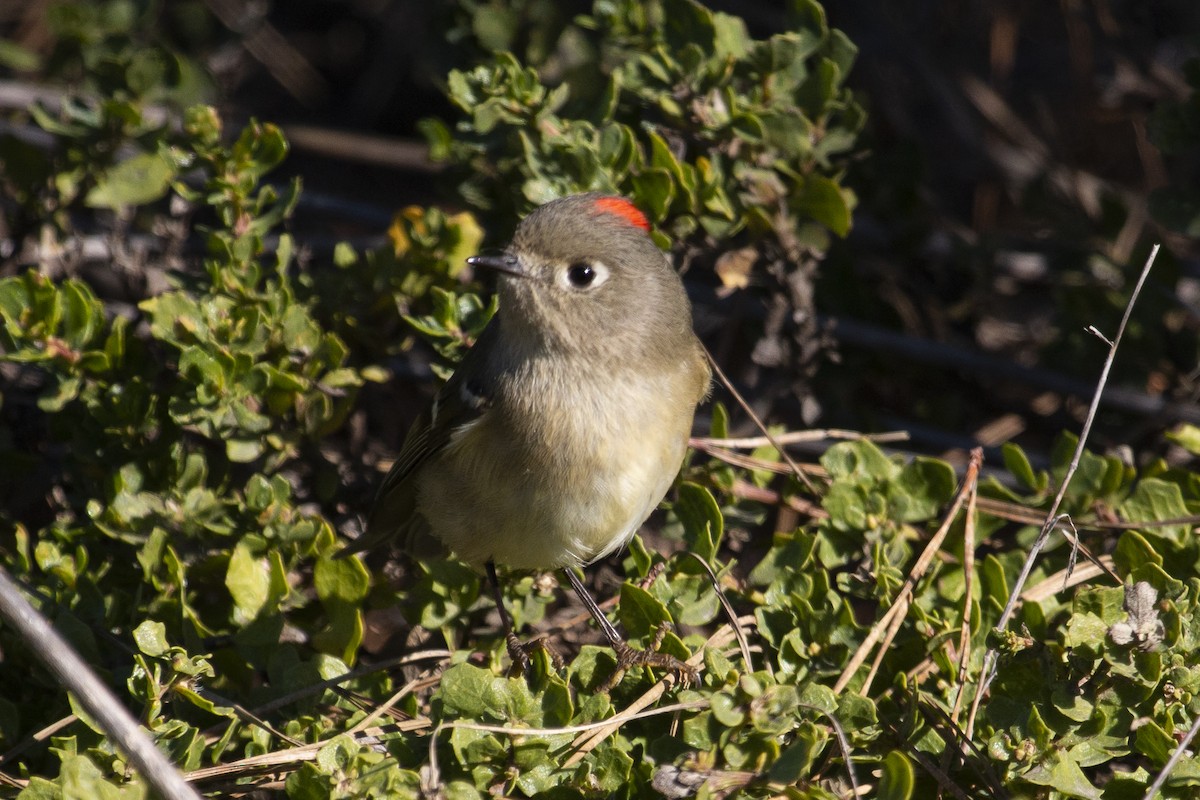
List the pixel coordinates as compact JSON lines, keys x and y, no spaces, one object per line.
{"x":567,"y":421}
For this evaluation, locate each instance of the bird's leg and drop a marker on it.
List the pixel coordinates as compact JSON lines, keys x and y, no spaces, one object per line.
{"x":518,"y":652}
{"x":627,"y":656}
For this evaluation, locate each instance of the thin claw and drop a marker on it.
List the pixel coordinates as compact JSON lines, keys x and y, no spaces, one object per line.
{"x":628,"y":657}
{"x":517,"y":652}
{"x":520,"y":653}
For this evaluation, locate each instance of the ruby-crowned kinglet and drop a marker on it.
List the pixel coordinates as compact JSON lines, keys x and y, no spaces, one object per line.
{"x":566,"y":423}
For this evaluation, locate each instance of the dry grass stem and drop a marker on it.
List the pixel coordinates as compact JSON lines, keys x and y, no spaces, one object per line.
{"x":889,"y":622}
{"x":738,"y":631}
{"x":584,"y":743}
{"x":968,"y":567}
{"x":1052,"y":516}
{"x":1180,"y":751}
{"x":762,"y":426}
{"x":795,"y":437}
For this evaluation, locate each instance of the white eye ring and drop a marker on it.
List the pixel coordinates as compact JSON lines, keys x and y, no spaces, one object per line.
{"x":582,"y":276}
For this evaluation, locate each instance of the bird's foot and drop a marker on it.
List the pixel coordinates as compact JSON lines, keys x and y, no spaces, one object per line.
{"x":521,"y":652}
{"x":628,"y":657}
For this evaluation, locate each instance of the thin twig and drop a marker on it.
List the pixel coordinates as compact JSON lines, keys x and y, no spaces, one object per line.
{"x":843,"y":744}
{"x":890,"y":620}
{"x":762,"y":426}
{"x":738,"y":631}
{"x":1170,"y":765}
{"x":584,"y":727}
{"x":990,"y":659}
{"x":968,"y":566}
{"x":588,"y":741}
{"x":794,"y":437}
{"x":99,"y":701}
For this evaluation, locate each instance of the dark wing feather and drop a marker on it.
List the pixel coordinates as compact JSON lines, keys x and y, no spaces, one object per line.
{"x":463,"y":399}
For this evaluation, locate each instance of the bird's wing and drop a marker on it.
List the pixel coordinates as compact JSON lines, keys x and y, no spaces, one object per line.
{"x":462,"y":400}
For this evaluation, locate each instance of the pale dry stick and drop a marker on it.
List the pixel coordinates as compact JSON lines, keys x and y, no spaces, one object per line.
{"x":903,"y":597}
{"x":904,"y":600}
{"x":1014,"y":512}
{"x":795,"y":437}
{"x":296,"y":755}
{"x":738,"y":459}
{"x":302,"y":753}
{"x":744,"y":490}
{"x":432,"y":777}
{"x":584,"y":743}
{"x":37,"y":737}
{"x":743,"y":644}
{"x":91,"y":693}
{"x":583,"y":727}
{"x":246,"y":715}
{"x":400,"y":693}
{"x":1060,"y":581}
{"x":1053,"y":518}
{"x":299,"y":694}
{"x":964,"y":637}
{"x":895,"y":620}
{"x":1173,"y":760}
{"x":762,"y":426}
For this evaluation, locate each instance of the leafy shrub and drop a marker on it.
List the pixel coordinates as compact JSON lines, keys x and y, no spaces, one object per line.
{"x":176,"y":466}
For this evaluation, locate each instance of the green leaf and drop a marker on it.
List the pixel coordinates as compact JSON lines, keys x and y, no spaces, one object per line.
{"x":861,"y":458}
{"x":470,"y":691}
{"x":81,"y":778}
{"x":1133,"y":551}
{"x":1186,"y":436}
{"x":898,"y":778}
{"x":922,"y":488}
{"x":151,"y":638}
{"x":1155,"y":500}
{"x":1064,"y":775}
{"x":248,"y":581}
{"x":136,"y":181}
{"x":1017,"y":463}
{"x":774,"y":711}
{"x":1154,"y":743}
{"x":702,"y":521}
{"x":827,"y":203}
{"x":641,"y":612}
{"x":341,"y":586}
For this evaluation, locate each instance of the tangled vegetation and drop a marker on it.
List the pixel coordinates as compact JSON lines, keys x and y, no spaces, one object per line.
{"x":185,"y":386}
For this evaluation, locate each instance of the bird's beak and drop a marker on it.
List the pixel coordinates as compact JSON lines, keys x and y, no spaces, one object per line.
{"x":506,"y":263}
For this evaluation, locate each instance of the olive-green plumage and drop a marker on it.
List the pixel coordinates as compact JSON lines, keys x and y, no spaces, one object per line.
{"x":566,"y":423}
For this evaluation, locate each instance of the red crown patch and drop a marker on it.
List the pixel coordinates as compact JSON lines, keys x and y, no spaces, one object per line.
{"x":625,"y":210}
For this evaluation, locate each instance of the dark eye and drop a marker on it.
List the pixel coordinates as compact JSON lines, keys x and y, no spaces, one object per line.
{"x":581,"y":275}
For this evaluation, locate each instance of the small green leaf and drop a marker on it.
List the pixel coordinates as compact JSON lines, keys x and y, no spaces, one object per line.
{"x":1133,"y":551}
{"x":341,"y":586}
{"x":827,"y":203}
{"x":1154,"y":500}
{"x":1064,"y":775}
{"x":1018,"y":464}
{"x":702,"y":521}
{"x":470,"y":691}
{"x":248,"y":581}
{"x":641,"y":612}
{"x":898,"y":778}
{"x":136,"y":181}
{"x":151,"y":638}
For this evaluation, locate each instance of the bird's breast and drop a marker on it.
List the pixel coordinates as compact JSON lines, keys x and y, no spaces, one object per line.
{"x":562,"y":468}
